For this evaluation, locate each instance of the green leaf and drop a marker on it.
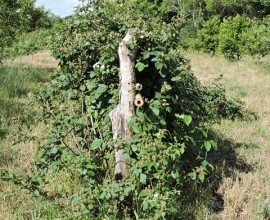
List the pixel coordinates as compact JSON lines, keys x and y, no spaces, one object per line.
{"x":134,"y":148}
{"x":175,"y":174}
{"x":155,"y":110}
{"x":140,"y":66}
{"x":142,"y":178}
{"x":137,"y":129}
{"x":162,"y":122}
{"x":102,"y":88}
{"x":54,"y":150}
{"x":146,"y":55}
{"x":96,"y":144}
{"x":201,"y":176}
{"x":187,"y":119}
{"x":192,"y":175}
{"x":158,"y":65}
{"x":36,"y":193}
{"x":214,"y":144}
{"x":164,"y":35}
{"x":176,"y":78}
{"x":207,"y":145}
{"x":156,"y":103}
{"x":143,"y":193}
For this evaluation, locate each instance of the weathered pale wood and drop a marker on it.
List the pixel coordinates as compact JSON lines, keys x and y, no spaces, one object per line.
{"x":121,"y":115}
{"x":139,"y":100}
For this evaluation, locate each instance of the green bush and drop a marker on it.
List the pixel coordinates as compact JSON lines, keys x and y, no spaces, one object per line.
{"x":256,"y":39}
{"x":226,"y":8}
{"x":208,"y":37}
{"x":234,"y":37}
{"x":29,"y":42}
{"x":231,"y":36}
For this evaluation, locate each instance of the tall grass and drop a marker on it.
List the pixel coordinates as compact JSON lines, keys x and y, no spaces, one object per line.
{"x":16,"y":84}
{"x":19,"y":79}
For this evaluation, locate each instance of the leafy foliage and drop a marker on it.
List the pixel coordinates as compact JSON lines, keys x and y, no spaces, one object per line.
{"x":227,"y":8}
{"x":212,"y":26}
{"x":169,"y":147}
{"x":257,"y":38}
{"x":234,"y":37}
{"x":230,"y":36}
{"x":9,"y":21}
{"x":29,"y":42}
{"x":208,"y":37}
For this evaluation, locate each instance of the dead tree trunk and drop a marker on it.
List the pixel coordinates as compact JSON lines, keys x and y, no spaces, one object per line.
{"x":121,"y":115}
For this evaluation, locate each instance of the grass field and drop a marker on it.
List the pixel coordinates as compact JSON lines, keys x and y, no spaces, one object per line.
{"x":244,"y":191}
{"x":240,"y":187}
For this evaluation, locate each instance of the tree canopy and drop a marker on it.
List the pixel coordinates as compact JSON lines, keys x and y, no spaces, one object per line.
{"x":18,"y":16}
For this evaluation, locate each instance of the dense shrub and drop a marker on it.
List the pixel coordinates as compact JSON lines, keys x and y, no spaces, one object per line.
{"x":234,"y":37}
{"x":231,"y":36}
{"x":29,"y":42}
{"x":226,"y":8}
{"x":208,"y":37}
{"x":256,"y":40}
{"x":242,"y":29}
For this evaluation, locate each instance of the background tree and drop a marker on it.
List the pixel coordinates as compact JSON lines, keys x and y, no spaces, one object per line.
{"x":208,"y":37}
{"x":231,"y":36}
{"x":256,"y":40}
{"x":17,"y":16}
{"x":201,"y":28}
{"x":226,"y":8}
{"x":10,"y":20}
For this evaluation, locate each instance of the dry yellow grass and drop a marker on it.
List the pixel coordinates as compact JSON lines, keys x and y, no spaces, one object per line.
{"x":41,"y":59}
{"x":246,"y":194}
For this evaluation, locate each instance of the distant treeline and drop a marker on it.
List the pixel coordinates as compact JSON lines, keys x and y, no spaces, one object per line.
{"x":231,"y":27}
{"x":21,"y":16}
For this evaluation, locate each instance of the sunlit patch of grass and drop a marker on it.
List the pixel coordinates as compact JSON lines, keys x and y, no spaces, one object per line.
{"x":18,"y":205}
{"x":41,"y":59}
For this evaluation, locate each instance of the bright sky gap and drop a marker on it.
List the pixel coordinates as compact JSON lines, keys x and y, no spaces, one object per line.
{"x":60,"y":8}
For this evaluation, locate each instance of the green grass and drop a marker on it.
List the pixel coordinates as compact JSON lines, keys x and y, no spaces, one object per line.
{"x":16,"y":83}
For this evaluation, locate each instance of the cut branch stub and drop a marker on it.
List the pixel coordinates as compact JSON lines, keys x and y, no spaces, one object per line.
{"x":121,"y":115}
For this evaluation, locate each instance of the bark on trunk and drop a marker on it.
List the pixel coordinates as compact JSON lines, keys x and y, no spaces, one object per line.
{"x":121,"y":115}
